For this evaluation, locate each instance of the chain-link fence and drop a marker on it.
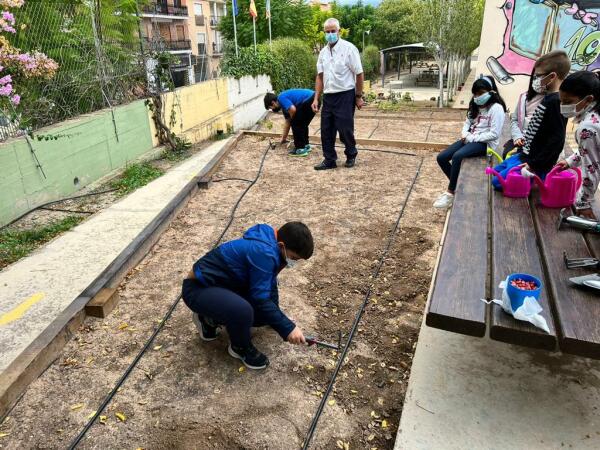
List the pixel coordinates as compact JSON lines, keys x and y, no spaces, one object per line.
{"x":98,"y":49}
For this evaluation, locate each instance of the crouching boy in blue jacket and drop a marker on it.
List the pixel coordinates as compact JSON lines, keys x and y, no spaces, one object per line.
{"x":235,"y":285}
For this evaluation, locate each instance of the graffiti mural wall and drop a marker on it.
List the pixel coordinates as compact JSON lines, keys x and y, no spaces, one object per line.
{"x":516,"y":32}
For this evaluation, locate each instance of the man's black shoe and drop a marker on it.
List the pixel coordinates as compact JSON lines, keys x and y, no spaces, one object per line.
{"x":208,"y":330}
{"x":350,"y":162}
{"x":326,"y":165}
{"x":250,"y":356}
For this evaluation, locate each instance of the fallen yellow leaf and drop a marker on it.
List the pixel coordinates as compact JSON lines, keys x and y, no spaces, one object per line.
{"x":92,"y":414}
{"x":3,"y":434}
{"x":121,"y":416}
{"x":353,"y":391}
{"x":384,"y":424}
{"x":380,"y":401}
{"x":158,"y":347}
{"x":340,"y":444}
{"x":371,"y":437}
{"x":309,"y":367}
{"x":331,"y":402}
{"x":241,"y":369}
{"x":123,"y":326}
{"x":103,"y":420}
{"x":77,"y":406}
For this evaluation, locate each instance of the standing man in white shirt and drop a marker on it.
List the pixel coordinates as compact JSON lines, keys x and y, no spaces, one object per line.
{"x":340,"y":78}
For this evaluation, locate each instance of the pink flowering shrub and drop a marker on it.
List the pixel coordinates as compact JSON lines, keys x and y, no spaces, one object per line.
{"x":14,"y":65}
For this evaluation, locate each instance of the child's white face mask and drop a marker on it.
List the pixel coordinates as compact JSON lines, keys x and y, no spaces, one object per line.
{"x":569,"y":111}
{"x":289,"y":262}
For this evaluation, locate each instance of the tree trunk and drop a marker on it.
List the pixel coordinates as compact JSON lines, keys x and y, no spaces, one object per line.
{"x":440,"y":62}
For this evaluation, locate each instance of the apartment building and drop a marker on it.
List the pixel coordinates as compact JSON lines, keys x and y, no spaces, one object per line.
{"x":188,"y":29}
{"x":165,"y":28}
{"x":207,"y":42}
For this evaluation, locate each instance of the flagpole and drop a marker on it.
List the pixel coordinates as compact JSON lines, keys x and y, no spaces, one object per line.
{"x":254,"y":27}
{"x":234,"y":12}
{"x":270,"y":43}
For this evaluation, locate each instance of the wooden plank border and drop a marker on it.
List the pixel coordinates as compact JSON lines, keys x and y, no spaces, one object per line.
{"x":365,"y":141}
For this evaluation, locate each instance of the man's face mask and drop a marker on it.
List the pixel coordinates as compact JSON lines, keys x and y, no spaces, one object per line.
{"x":331,"y":37}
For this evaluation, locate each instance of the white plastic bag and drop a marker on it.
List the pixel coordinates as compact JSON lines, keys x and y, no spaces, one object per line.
{"x":529,"y":311}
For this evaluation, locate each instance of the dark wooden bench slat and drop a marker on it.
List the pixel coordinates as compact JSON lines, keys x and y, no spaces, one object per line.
{"x":593,"y":239}
{"x":577,"y":311}
{"x":455,"y":303}
{"x":515,"y":250}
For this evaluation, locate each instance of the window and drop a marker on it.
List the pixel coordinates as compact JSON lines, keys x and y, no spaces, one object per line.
{"x":201,"y":38}
{"x":197,"y":9}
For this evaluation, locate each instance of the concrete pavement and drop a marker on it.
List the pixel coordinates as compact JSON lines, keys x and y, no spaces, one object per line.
{"x":472,"y":393}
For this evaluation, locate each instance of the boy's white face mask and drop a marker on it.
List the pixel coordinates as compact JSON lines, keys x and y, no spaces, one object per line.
{"x":289,"y":262}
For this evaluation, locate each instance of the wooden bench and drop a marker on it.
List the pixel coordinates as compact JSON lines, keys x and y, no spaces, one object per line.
{"x":488,"y":237}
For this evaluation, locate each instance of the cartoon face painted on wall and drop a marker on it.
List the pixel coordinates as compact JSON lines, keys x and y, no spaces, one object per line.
{"x":535,"y":27}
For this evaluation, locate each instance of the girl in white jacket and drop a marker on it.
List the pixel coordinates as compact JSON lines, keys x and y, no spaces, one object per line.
{"x":482,"y":128}
{"x":580,"y":99}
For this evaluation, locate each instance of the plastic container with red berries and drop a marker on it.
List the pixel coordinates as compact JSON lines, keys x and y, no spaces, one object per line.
{"x":521,"y":285}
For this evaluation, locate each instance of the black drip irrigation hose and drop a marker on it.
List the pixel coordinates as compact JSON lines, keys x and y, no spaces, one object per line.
{"x":43,"y":206}
{"x":218,"y":180}
{"x":66,"y":210}
{"x":165,"y":318}
{"x":340,"y":363}
{"x":374,"y":130}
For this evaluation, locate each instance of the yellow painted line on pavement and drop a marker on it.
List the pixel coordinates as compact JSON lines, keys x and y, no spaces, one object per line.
{"x":20,"y":310}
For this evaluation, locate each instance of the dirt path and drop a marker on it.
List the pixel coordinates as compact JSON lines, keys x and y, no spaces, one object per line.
{"x":187,"y":394}
{"x":398,"y":128}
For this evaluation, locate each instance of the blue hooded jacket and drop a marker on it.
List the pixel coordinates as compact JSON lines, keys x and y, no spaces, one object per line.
{"x":249,"y":267}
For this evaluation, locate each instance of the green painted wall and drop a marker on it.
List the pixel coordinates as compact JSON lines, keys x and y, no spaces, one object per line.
{"x":89,"y":151}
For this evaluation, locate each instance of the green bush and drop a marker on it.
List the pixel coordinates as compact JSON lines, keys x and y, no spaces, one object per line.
{"x":370,"y":61}
{"x":289,"y":63}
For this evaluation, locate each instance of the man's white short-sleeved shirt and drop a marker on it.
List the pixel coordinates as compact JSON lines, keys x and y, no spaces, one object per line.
{"x":339,"y":65}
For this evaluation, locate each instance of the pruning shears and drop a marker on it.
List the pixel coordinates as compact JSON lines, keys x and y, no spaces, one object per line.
{"x":311,"y":340}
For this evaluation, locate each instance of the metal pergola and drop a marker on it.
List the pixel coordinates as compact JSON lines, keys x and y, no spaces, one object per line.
{"x":415,"y":52}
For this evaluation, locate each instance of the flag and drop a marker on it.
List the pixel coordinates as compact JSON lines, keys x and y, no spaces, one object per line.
{"x":253,"y":12}
{"x":268,"y":8}
{"x":235,"y":7}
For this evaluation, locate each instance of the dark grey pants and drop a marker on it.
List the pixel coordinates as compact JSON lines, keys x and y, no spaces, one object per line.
{"x":337,"y":116}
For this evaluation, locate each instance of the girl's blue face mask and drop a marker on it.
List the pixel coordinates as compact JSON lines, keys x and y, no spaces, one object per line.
{"x":482,"y":99}
{"x":331,"y":37}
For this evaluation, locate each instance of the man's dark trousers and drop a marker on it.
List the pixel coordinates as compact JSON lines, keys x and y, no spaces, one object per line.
{"x":304,"y":115}
{"x":337,"y":116}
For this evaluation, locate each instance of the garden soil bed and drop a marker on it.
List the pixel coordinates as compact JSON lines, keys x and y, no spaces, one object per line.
{"x":189,"y":394}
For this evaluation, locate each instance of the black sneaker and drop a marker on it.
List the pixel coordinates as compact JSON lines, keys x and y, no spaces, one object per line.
{"x":350,"y":162}
{"x":207,"y":329}
{"x":250,"y":356}
{"x":326,"y":165}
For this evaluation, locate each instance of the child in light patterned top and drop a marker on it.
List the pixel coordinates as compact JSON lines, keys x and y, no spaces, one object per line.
{"x":580,"y":99}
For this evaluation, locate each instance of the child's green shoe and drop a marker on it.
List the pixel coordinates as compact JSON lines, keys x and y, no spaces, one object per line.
{"x":299,"y":152}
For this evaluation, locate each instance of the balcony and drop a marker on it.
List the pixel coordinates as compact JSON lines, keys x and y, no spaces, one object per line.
{"x":168,"y":45}
{"x":164,"y":9}
{"x":215,"y":20}
{"x":217,"y":49}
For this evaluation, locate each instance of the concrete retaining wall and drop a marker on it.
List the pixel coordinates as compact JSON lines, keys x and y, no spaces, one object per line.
{"x":246,"y":100}
{"x":88,"y":147}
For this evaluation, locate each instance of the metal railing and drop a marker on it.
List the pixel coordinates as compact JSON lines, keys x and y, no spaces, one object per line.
{"x":217,"y":48}
{"x":162,"y":8}
{"x":215,"y":20}
{"x":166,"y":44}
